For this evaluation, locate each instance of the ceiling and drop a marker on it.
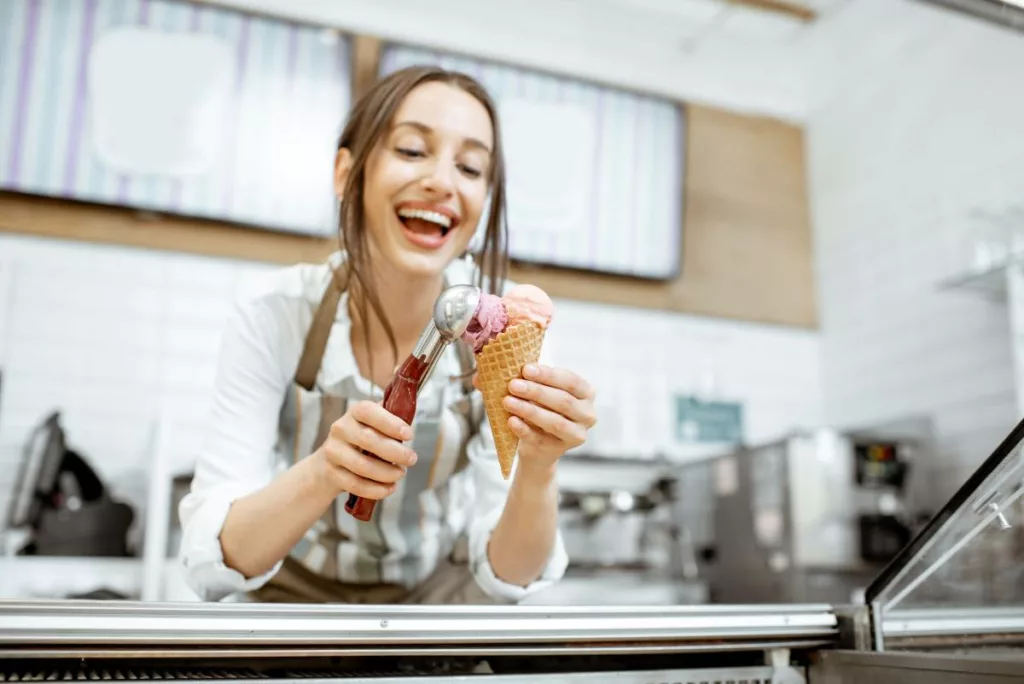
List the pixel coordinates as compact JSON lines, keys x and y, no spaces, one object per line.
{"x":743,"y":55}
{"x":756,"y":21}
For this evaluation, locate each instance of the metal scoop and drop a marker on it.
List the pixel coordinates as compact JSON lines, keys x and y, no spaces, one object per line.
{"x":453,"y":312}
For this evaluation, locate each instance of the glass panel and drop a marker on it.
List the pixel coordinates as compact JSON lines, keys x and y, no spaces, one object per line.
{"x":970,"y":554}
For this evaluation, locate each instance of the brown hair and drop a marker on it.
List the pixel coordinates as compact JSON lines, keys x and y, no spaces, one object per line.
{"x":368,"y":121}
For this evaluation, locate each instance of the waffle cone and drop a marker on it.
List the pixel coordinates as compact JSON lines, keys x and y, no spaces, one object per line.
{"x":500,"y":361}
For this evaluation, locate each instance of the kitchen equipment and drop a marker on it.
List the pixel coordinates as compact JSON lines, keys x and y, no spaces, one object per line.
{"x":61,"y":504}
{"x":811,"y":517}
{"x":615,"y":515}
{"x":453,"y":311}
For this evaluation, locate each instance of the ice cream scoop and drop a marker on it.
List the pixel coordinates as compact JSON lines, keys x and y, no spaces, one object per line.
{"x":529,"y":303}
{"x":454,"y":310}
{"x":521,"y":304}
{"x":490,"y":318}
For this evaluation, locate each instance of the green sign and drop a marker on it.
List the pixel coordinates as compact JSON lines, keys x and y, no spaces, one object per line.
{"x":708,"y":421}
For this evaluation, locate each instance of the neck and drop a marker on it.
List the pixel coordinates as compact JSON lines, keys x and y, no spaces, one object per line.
{"x":407,"y":303}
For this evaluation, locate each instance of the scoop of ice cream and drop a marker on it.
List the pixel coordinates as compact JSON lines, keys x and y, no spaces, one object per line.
{"x":489,"y":320}
{"x":529,"y":303}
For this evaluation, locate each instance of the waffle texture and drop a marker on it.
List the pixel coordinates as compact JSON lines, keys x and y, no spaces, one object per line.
{"x":500,"y":361}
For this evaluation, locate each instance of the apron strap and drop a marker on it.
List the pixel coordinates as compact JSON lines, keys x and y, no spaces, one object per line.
{"x":320,"y":329}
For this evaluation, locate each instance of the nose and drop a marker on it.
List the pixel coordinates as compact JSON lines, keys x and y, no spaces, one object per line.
{"x":438,"y":180}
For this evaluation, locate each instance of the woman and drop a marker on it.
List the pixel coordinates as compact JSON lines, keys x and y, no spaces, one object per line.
{"x":306,"y":353}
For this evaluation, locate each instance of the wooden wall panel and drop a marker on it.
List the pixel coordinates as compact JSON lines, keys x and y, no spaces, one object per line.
{"x":747,"y":249}
{"x":52,"y":218}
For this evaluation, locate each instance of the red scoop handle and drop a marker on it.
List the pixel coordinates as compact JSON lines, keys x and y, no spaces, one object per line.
{"x":400,"y":400}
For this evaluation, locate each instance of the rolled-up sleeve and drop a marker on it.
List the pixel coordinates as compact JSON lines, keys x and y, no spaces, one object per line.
{"x":236,"y":456}
{"x":491,"y":492}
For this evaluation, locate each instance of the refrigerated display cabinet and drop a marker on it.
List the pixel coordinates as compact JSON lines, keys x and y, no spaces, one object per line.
{"x":949,"y":608}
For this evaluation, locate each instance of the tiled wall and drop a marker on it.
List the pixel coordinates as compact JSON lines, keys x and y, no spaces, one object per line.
{"x":913,"y":127}
{"x":113,"y":336}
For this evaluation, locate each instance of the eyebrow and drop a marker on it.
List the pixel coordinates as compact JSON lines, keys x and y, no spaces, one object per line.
{"x":472,"y":142}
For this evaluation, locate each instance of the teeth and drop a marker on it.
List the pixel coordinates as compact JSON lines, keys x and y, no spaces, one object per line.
{"x":425,"y":215}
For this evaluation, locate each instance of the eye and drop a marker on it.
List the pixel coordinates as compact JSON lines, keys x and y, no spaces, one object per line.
{"x":409,"y":153}
{"x":470,"y":171}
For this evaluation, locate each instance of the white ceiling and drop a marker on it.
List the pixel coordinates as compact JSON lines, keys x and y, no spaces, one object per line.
{"x":718,"y":52}
{"x":698,"y":20}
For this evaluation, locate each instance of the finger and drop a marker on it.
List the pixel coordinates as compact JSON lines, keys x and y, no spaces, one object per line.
{"x":554,"y":424}
{"x":559,"y":377}
{"x":347,"y":481}
{"x":365,"y":437}
{"x":381,"y":420}
{"x":368,"y":466}
{"x":530,"y":435}
{"x":557,"y":400}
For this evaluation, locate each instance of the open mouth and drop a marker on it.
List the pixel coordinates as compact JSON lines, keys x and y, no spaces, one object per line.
{"x":426,"y":227}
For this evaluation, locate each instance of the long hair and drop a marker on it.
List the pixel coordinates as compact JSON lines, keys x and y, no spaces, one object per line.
{"x":368,"y":122}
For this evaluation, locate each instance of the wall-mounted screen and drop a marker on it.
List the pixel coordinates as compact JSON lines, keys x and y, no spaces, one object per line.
{"x":595,"y":174}
{"x":172,"y":106}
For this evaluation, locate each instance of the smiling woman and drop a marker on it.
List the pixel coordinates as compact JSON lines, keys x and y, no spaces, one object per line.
{"x":436,"y":156}
{"x":297,"y":420}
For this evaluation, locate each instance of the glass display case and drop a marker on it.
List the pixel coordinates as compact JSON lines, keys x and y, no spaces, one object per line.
{"x":948,"y":608}
{"x":960,"y":582}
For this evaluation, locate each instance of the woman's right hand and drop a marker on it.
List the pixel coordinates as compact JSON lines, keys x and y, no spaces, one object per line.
{"x":374,"y":475}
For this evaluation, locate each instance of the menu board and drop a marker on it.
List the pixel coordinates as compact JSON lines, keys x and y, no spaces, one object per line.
{"x":595,"y":174}
{"x":173,"y":106}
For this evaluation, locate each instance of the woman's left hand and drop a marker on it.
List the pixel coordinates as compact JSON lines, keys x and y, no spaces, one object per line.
{"x":551,"y":411}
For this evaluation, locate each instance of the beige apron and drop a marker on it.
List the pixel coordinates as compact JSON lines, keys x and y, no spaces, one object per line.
{"x":312,"y":572}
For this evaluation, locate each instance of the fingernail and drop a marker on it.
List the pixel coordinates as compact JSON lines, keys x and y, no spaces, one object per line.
{"x":517,"y":386}
{"x":413,"y":458}
{"x":529,"y":370}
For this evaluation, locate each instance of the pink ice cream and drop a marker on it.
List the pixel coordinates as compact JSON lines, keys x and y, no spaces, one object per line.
{"x":493,"y":314}
{"x":490,"y":319}
{"x":529,"y":303}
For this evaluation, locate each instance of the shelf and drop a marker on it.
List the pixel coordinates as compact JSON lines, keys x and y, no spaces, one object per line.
{"x":990,"y":283}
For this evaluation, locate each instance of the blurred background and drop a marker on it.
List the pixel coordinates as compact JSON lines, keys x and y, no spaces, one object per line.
{"x":781,"y":236}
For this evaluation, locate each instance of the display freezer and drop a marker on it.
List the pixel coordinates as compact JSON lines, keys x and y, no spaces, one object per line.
{"x":948,"y":608}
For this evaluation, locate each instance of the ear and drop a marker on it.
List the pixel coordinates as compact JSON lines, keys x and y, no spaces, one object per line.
{"x":342,"y":167}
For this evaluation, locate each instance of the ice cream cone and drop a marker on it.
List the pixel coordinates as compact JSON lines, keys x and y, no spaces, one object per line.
{"x":501,"y":360}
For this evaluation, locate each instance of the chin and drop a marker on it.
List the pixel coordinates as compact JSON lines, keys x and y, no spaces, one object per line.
{"x":422,"y":265}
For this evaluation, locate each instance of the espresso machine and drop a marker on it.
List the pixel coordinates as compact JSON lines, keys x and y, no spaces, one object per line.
{"x":812,"y":517}
{"x":616,"y":516}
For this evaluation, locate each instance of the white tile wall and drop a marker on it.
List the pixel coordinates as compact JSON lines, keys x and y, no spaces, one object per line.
{"x":914,"y":125}
{"x":114,"y":335}
{"x":109,"y":336}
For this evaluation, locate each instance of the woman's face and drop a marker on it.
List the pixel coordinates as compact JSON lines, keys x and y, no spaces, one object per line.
{"x":426,"y":179}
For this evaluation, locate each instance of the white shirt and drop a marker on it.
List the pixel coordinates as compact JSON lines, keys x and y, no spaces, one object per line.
{"x":260,"y":350}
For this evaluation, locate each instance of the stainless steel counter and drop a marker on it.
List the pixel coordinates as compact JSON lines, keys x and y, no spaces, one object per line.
{"x":67,"y":623}
{"x":783,"y":644}
{"x":124,"y":641}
